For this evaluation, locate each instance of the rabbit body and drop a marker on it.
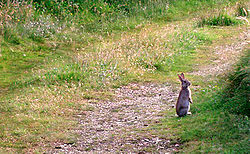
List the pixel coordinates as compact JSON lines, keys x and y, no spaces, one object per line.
{"x":182,"y":105}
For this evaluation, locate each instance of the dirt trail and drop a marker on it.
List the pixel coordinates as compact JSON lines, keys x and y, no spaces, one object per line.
{"x":224,"y":56}
{"x":114,"y":126}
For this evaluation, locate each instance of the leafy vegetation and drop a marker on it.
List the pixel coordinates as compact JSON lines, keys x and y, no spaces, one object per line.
{"x":54,"y":54}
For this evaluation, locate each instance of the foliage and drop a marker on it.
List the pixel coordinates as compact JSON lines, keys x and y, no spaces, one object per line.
{"x":220,"y":117}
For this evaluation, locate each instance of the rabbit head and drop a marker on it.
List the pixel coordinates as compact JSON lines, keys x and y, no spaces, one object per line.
{"x":184,"y":82}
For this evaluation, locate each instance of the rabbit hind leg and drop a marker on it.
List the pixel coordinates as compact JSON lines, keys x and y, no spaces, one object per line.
{"x":183,"y":112}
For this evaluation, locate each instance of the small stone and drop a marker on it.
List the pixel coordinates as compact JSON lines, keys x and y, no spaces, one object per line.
{"x":58,"y":147}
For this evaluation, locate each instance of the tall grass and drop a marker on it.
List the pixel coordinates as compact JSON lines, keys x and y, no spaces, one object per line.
{"x":231,"y":94}
{"x":220,"y":115}
{"x":225,"y":19}
{"x":51,"y":19}
{"x":124,"y":60}
{"x":45,"y":18}
{"x":223,"y":114}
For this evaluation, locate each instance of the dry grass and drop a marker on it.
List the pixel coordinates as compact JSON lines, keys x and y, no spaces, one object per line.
{"x":136,"y":53}
{"x":222,"y":56}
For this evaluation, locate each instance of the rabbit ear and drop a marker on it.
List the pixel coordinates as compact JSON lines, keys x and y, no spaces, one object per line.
{"x":182,"y":75}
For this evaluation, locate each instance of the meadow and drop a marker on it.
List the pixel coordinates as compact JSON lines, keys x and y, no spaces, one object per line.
{"x":55,"y":56}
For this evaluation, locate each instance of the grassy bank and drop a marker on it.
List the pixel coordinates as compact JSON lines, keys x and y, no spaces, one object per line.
{"x":54,"y":58}
{"x":219,"y":122}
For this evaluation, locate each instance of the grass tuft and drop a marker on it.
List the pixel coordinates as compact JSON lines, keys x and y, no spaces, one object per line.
{"x":242,"y":10}
{"x":220,"y":20}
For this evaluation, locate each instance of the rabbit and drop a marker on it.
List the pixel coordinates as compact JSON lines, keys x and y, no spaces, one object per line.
{"x":182,"y":105}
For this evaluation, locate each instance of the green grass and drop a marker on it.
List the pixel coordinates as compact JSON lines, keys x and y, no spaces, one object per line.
{"x":17,"y":61}
{"x":220,"y":118}
{"x":220,"y":20}
{"x":234,"y":96}
{"x":219,"y":122}
{"x":209,"y":131}
{"x":50,"y":19}
{"x":107,"y":72}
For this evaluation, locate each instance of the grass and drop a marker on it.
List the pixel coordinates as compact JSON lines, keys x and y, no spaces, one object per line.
{"x":159,"y":55}
{"x":219,"y":122}
{"x":234,"y":97}
{"x":17,"y":61}
{"x":242,"y":10}
{"x":46,"y":60}
{"x":220,"y":20}
{"x":210,"y":132}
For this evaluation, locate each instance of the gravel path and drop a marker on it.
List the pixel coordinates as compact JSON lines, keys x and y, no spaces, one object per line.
{"x":113,"y":126}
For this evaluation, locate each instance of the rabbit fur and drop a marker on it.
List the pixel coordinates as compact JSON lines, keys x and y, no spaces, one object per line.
{"x":182,"y":105}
